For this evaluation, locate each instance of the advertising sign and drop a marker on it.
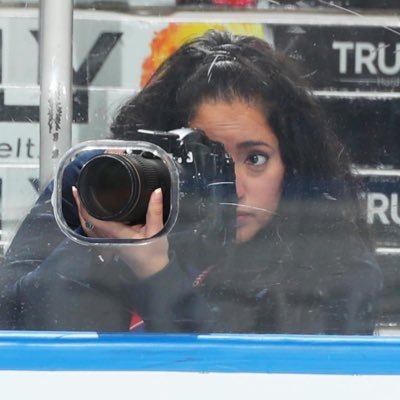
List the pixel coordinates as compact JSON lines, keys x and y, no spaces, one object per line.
{"x":344,"y":58}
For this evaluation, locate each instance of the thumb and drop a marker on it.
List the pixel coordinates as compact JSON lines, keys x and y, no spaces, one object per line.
{"x":154,"y":216}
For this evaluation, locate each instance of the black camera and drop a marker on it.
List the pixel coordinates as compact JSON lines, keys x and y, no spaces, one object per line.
{"x":117,"y":187}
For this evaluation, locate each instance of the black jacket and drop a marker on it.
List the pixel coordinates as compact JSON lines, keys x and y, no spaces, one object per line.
{"x":312,"y":283}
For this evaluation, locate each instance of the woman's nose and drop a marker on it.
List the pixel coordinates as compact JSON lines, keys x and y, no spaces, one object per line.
{"x":239,"y":183}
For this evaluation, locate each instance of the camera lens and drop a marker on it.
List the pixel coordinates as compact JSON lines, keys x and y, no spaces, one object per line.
{"x":117,"y":187}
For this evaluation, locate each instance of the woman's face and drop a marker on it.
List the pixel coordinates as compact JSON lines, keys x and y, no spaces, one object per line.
{"x":254,"y":148}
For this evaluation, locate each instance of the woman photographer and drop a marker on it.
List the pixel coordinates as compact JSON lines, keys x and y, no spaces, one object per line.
{"x":300,"y":261}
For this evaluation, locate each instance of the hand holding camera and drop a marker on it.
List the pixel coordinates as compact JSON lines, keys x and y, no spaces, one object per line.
{"x":129,"y":194}
{"x":144,"y":261}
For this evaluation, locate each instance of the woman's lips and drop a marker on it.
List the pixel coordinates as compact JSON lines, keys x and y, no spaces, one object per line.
{"x":242,"y":217}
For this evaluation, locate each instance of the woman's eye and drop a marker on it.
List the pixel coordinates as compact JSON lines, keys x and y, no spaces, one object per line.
{"x":257,"y":159}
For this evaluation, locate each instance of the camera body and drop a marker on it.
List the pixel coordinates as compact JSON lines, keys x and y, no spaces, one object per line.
{"x":117,"y":187}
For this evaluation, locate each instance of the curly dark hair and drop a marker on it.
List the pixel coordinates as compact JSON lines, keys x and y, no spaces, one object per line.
{"x":223,"y":66}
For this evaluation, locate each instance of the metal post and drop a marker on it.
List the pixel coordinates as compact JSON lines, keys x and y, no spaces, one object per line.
{"x":55,"y":59}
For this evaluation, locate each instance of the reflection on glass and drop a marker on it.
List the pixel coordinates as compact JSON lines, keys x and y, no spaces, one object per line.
{"x":292,"y":256}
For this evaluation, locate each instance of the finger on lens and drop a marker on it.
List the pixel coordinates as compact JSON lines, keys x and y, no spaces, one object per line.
{"x":82,"y":217}
{"x":154,"y":216}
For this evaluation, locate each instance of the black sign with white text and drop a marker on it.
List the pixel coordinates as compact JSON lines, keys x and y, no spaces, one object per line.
{"x":352,"y":58}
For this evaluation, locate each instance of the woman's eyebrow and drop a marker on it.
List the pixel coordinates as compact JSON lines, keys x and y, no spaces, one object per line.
{"x":252,"y":143}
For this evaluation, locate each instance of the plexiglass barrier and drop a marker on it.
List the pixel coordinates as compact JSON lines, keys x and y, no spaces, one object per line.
{"x":310,"y":255}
